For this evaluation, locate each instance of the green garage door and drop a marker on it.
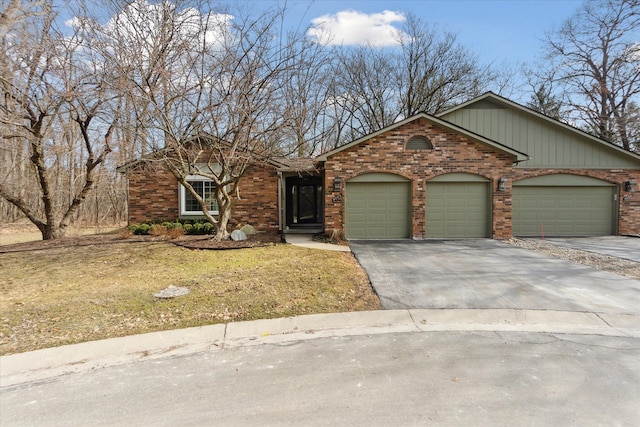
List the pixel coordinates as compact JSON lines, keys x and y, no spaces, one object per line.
{"x":378,"y":210}
{"x":562,"y":211}
{"x":458,"y":209}
{"x":563,"y":205}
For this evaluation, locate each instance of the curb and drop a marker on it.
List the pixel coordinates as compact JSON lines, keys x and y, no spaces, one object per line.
{"x":49,"y":363}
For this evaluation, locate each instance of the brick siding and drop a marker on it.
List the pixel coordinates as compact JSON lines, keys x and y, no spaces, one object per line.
{"x":153,"y":195}
{"x":452,"y":153}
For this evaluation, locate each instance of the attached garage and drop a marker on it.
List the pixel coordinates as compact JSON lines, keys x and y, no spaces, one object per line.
{"x":564,"y":205}
{"x":378,"y":206}
{"x":458,"y":205}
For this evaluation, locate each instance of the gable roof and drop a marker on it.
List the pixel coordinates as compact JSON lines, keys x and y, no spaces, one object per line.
{"x":499,"y":100}
{"x":518,"y":156}
{"x":276,"y":162}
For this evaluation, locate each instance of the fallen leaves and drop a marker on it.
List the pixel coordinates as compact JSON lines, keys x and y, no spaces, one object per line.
{"x":65,"y":295}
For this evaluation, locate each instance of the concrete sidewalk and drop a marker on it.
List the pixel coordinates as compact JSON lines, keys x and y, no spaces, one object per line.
{"x":306,"y":241}
{"x":49,"y":363}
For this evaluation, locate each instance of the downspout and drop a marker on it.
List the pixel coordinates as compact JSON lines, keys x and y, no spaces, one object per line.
{"x":280,"y":202}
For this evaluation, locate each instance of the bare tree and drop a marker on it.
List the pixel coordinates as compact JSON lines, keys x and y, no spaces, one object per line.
{"x":434,"y":72}
{"x":14,"y":11}
{"x":428,"y":71}
{"x":306,"y":89}
{"x":595,"y":58}
{"x":544,"y":101}
{"x":212,"y":92}
{"x":364,"y":90}
{"x":52,"y":113}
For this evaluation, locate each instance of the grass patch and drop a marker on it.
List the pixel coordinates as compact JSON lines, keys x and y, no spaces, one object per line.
{"x":82,"y":293}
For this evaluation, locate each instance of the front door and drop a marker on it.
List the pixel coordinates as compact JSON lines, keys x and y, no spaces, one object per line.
{"x":304,"y":201}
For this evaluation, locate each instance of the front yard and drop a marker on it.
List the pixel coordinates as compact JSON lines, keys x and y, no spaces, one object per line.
{"x":76,"y":293}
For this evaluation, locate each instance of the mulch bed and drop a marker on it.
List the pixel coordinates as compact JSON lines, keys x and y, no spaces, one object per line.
{"x":191,"y":242}
{"x":207,"y":242}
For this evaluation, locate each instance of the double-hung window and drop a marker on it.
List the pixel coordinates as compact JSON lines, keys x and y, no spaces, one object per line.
{"x":205,"y":188}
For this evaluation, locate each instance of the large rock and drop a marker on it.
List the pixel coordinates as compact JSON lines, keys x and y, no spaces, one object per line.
{"x":237,"y":235}
{"x":172,"y":292}
{"x":248,"y":229}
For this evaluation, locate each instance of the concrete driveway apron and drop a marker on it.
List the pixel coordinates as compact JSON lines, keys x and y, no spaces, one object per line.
{"x":625,"y":247}
{"x":483,"y":273}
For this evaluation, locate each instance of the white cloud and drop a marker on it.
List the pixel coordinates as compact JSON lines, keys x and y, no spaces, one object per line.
{"x":143,"y":21}
{"x":74,"y":22}
{"x":350,"y":27}
{"x":633,"y":51}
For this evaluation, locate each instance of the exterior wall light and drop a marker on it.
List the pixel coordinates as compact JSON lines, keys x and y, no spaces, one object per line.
{"x":502,"y":184}
{"x":337,"y":183}
{"x":630,"y":186}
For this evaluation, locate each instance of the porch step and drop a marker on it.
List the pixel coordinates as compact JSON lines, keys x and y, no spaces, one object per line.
{"x":310,"y":230}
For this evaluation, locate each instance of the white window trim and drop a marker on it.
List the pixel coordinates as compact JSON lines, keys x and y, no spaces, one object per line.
{"x":183,"y":196}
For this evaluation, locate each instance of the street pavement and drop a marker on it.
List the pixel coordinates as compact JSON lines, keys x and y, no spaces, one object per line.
{"x":395,"y":379}
{"x":396,"y":367}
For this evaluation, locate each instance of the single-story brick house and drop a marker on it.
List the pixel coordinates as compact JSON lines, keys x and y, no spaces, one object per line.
{"x":486,"y":168}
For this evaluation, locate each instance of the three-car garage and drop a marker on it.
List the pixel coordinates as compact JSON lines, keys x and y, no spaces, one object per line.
{"x":459,"y":205}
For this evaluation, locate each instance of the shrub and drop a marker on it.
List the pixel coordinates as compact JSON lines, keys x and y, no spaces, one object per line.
{"x":140,"y":230}
{"x":124,"y":233}
{"x":198,"y":227}
{"x":157,"y":230}
{"x":335,"y":237}
{"x":169,"y":225}
{"x":175,"y":232}
{"x":181,"y":227}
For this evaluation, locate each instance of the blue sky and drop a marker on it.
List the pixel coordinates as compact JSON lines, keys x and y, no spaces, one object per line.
{"x":497,"y":30}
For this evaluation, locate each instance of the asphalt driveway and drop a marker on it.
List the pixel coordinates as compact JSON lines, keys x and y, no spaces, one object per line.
{"x":484,"y":273}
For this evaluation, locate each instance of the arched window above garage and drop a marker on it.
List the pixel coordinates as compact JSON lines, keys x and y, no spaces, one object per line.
{"x":419,"y":143}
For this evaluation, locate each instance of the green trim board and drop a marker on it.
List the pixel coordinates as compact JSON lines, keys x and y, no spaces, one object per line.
{"x":458,"y":177}
{"x":562,"y":179}
{"x":378,"y":177}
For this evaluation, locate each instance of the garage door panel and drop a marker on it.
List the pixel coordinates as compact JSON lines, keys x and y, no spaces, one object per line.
{"x":377,"y":210}
{"x":457,"y":209}
{"x":376,"y":217}
{"x":563,"y":211}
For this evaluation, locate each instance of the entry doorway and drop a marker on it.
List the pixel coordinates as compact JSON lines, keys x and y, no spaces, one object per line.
{"x":304,"y":202}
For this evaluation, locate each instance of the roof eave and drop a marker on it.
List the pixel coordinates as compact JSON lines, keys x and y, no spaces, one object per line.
{"x":517,"y":155}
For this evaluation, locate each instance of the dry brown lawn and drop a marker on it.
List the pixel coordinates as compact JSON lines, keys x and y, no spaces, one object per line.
{"x":103,"y":289}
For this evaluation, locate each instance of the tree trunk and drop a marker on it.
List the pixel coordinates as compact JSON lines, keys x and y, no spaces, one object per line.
{"x":51,"y":231}
{"x":224,"y":215}
{"x":223,"y":221}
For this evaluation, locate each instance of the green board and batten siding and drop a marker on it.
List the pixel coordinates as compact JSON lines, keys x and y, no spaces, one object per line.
{"x":548,"y":146}
{"x":458,"y":206}
{"x":378,"y":206}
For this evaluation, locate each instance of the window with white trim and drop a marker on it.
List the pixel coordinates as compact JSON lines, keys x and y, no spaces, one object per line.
{"x":205,"y":188}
